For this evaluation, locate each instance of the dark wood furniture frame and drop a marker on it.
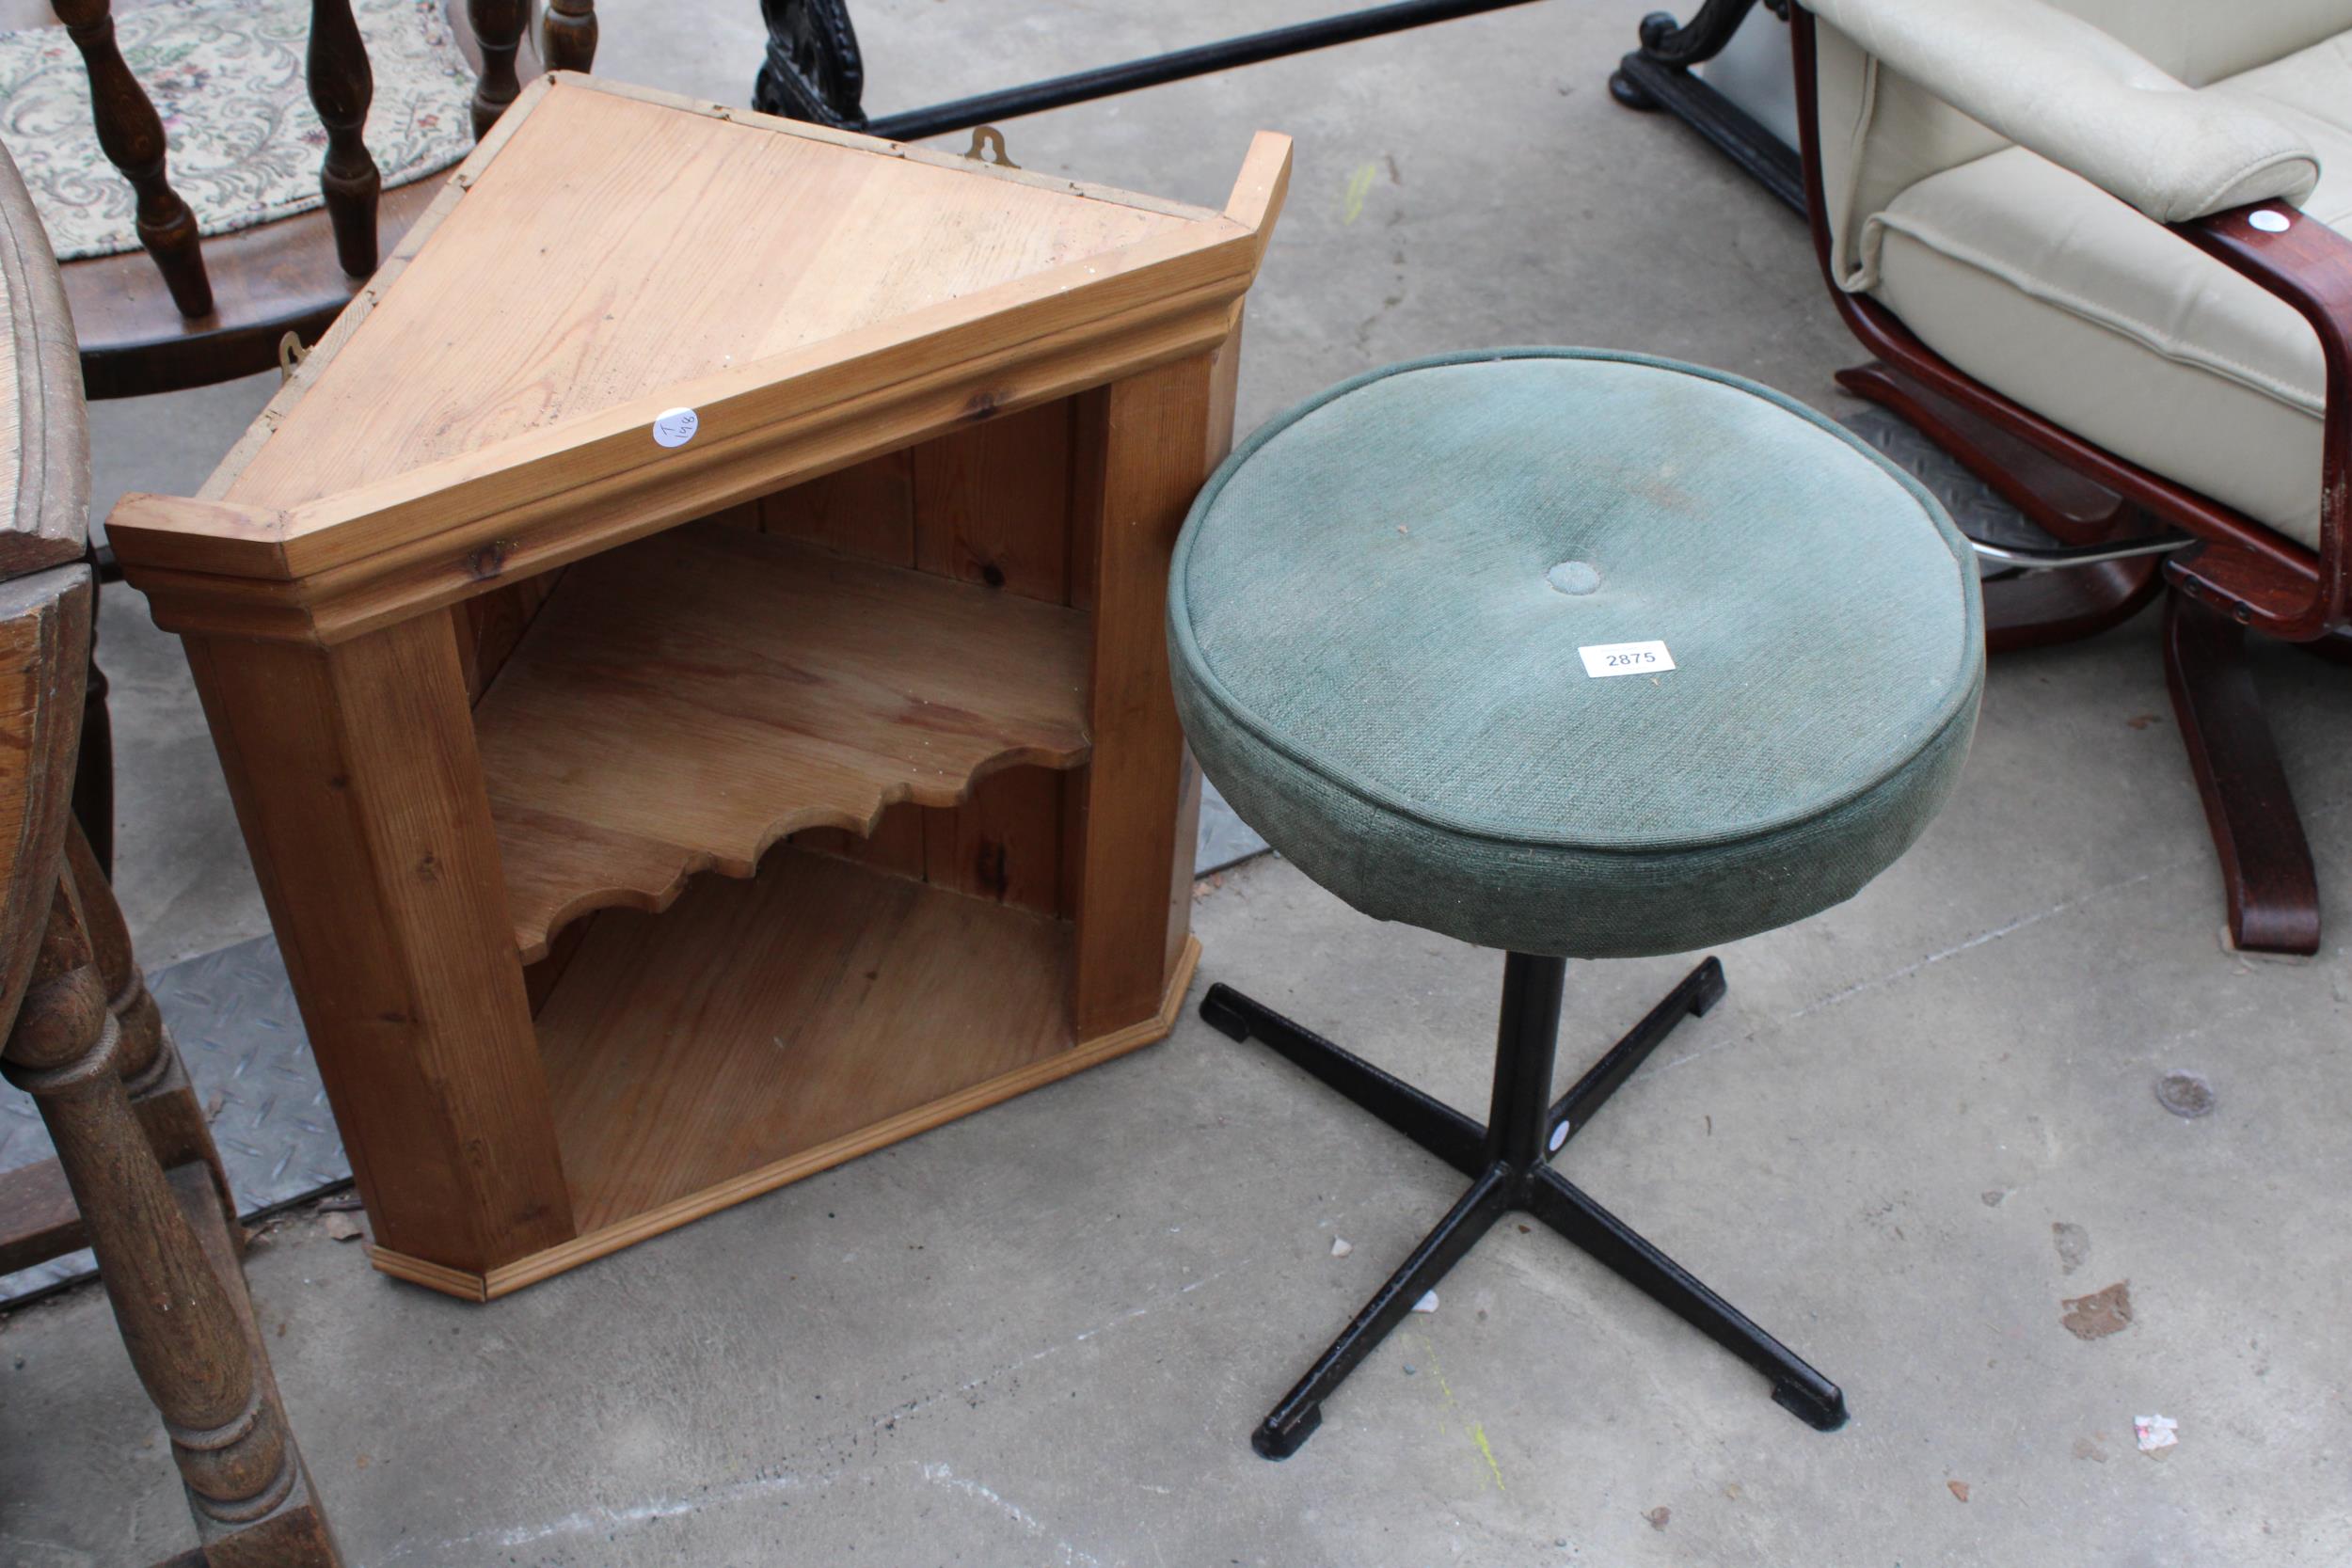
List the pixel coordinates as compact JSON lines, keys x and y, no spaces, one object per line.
{"x":2240,"y":577}
{"x":190,"y":312}
{"x":137,"y":1178}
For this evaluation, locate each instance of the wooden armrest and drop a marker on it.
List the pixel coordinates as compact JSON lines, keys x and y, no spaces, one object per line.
{"x":2308,"y":264}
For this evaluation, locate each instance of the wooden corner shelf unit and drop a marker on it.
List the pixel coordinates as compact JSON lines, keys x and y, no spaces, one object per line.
{"x":655,"y":810}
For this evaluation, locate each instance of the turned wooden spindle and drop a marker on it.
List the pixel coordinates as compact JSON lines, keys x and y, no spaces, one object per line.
{"x":132,"y":136}
{"x":497,"y":30}
{"x":186,"y":1337}
{"x":152,"y":1073}
{"x":567,"y":34}
{"x":140,"y":1055}
{"x":341,"y":89}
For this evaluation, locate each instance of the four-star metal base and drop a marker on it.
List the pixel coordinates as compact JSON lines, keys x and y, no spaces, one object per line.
{"x":1508,"y":1161}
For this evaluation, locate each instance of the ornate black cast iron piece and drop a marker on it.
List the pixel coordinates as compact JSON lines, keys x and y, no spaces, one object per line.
{"x":1658,"y":76}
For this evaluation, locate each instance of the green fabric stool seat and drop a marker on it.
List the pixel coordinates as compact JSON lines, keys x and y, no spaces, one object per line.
{"x":1577,"y":654}
{"x":1375,"y":610}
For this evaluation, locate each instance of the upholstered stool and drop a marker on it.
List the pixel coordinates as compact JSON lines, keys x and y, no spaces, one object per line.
{"x":1575,"y":655}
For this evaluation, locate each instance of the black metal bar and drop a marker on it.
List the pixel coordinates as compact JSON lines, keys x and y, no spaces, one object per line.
{"x":1079,"y":87}
{"x":1527,"y":1035}
{"x":1293,"y":1421}
{"x":1438,"y":1127}
{"x":1796,"y":1386}
{"x":1699,"y":991}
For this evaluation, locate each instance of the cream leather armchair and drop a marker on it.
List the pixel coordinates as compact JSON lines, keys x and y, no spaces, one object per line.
{"x":2094,"y":246}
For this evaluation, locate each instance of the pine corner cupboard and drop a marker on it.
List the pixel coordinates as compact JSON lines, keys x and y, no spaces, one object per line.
{"x":686,"y":651}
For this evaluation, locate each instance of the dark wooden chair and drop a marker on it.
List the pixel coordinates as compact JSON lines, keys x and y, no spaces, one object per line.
{"x":189,"y":311}
{"x":2101,"y":164}
{"x":137,"y":1178}
{"x":192,"y":311}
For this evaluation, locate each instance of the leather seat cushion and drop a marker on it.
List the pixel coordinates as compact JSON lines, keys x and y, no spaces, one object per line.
{"x":2042,"y":287}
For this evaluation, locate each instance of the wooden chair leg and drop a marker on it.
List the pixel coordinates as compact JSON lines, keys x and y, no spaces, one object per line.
{"x":2265,"y":861}
{"x":94,"y":763}
{"x":498,"y":32}
{"x":152,"y":1073}
{"x":39,"y":1220}
{"x":567,"y":34}
{"x":164,"y":1258}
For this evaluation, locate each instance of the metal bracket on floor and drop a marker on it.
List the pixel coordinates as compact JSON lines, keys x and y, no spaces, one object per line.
{"x":2025,"y":559}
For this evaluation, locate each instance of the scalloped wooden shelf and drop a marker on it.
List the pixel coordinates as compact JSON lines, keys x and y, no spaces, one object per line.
{"x":684,"y":702}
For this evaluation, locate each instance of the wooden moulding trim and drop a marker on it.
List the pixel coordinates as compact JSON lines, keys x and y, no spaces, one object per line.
{"x":1259,"y":188}
{"x":465,"y":1286}
{"x":510,"y":1277}
{"x":533,"y":936}
{"x":544,"y":531}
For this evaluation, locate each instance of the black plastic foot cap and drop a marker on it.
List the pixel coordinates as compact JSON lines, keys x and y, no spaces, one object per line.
{"x":1219,"y":1013}
{"x":1713,"y":987}
{"x":1280,"y":1442}
{"x":1808,"y":1405}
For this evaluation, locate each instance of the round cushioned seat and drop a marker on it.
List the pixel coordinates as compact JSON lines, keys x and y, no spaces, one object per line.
{"x":1376,"y":610}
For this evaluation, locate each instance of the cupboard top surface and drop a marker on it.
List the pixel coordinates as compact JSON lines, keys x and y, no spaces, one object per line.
{"x":489,"y":403}
{"x":612,"y":248}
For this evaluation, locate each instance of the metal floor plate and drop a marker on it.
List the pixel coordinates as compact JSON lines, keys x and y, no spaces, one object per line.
{"x":1975,"y":505}
{"x":233,"y":1013}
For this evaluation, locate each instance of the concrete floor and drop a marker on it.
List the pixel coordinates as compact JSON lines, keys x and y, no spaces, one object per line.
{"x":1041,"y":1335}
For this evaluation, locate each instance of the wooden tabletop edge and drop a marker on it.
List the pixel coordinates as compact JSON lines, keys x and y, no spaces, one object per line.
{"x":148,"y":528}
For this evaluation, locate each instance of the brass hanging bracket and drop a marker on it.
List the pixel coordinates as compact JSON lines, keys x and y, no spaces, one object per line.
{"x":987,"y":137}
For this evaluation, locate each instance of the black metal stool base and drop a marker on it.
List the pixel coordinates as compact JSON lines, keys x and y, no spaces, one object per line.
{"x":1508,"y":1161}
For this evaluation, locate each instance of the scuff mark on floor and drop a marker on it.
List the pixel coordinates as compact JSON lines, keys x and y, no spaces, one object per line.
{"x":941,"y":1475}
{"x":1904,"y":971}
{"x":596,"y":1520}
{"x":1474,"y":1431}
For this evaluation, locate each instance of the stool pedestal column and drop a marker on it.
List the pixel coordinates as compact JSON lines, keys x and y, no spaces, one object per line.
{"x":1508,"y":1161}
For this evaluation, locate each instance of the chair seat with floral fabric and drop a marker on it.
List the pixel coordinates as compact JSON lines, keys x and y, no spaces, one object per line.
{"x":208,"y":127}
